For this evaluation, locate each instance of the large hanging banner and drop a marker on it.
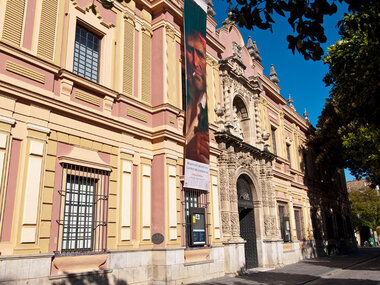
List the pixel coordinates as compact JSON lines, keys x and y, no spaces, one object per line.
{"x":197,"y":150}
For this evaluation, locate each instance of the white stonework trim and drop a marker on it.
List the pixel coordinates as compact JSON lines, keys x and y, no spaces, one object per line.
{"x":7,"y":120}
{"x":38,"y":128}
{"x":125,"y":234}
{"x":173,"y":233}
{"x":127,"y":166}
{"x":214,"y":168}
{"x":126,"y":195}
{"x":172,"y":182}
{"x":32,"y":190}
{"x":146,"y":234}
{"x":172,"y":156}
{"x":146,"y":197}
{"x":36,"y":148}
{"x":28,"y":235}
{"x":215,"y":203}
{"x":3,"y":141}
{"x":148,"y":156}
{"x":2,"y":159}
{"x":127,"y":151}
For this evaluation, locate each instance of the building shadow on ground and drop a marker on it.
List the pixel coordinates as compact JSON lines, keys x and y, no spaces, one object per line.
{"x":95,"y":278}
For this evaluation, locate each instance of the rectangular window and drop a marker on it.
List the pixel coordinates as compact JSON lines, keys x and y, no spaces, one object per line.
{"x":196,"y":217}
{"x":84,"y":204}
{"x":299,"y":223}
{"x":329,"y":225}
{"x":284,"y":221}
{"x":273,"y":135}
{"x":288,"y":153}
{"x":305,"y":168}
{"x":86,"y":54}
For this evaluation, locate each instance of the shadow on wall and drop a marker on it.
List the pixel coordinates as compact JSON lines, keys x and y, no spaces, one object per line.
{"x":330,"y":213}
{"x":99,"y":278}
{"x":308,"y":250}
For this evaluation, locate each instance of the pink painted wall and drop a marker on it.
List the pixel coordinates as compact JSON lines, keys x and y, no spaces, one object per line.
{"x":100,"y":108}
{"x":159,"y":197}
{"x":123,"y":113}
{"x":49,"y":77}
{"x":157,"y":82}
{"x":11,"y":191}
{"x":108,"y":16}
{"x":62,"y":149}
{"x":29,"y":24}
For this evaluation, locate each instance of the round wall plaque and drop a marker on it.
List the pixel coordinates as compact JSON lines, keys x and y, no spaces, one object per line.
{"x":157,"y":238}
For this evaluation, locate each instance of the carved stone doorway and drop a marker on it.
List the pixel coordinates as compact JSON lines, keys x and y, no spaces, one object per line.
{"x":247,"y":220}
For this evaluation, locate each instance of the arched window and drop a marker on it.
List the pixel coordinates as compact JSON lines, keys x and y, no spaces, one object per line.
{"x":241,"y":119}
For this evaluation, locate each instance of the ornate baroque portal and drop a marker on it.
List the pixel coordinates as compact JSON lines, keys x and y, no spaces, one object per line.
{"x":243,"y":155}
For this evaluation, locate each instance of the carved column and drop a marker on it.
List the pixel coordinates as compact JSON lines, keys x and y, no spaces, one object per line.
{"x":224,"y":193}
{"x":235,"y":226}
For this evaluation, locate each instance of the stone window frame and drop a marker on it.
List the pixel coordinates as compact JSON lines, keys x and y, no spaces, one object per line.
{"x":85,"y":175}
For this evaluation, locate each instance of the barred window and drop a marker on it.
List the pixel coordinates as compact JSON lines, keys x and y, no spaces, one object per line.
{"x":288,"y":153}
{"x":299,"y":222}
{"x":86,"y":54}
{"x":283,"y":213}
{"x":273,"y":135}
{"x":196,"y":217}
{"x":83,"y":215}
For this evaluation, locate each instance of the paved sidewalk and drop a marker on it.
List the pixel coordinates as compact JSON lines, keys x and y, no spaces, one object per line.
{"x":361,"y":268}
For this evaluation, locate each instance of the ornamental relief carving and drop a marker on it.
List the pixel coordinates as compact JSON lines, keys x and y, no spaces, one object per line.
{"x":235,"y":224}
{"x":226,"y":223}
{"x":270,"y":225}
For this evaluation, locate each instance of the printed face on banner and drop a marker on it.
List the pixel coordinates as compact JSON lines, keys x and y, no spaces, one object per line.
{"x":197,"y":135}
{"x":196,"y":112}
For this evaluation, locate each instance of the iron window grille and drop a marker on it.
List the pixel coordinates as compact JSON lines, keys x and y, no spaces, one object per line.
{"x":273,"y":135}
{"x":288,"y":154}
{"x":195,"y":202}
{"x":83,"y":210}
{"x":284,"y":222}
{"x":86,"y":54}
{"x":299,"y":223}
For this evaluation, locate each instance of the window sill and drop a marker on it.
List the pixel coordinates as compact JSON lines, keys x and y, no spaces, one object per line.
{"x":77,"y":263}
{"x":192,"y":255}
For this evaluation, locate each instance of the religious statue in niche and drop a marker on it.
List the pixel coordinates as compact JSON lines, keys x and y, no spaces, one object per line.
{"x":236,"y":123}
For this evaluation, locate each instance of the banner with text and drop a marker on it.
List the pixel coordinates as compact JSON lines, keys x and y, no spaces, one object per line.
{"x":197,"y":150}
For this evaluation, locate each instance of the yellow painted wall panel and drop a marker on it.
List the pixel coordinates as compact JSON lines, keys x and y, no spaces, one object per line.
{"x":46,"y":38}
{"x":45,"y":229}
{"x":50,"y":163}
{"x":146,"y":68}
{"x":74,"y":140}
{"x":112,"y":201}
{"x":113,"y":187}
{"x":13,"y":22}
{"x":86,"y":143}
{"x":44,"y":245}
{"x":61,"y":137}
{"x":52,"y":147}
{"x":49,"y":179}
{"x":47,"y":195}
{"x":128,"y":58}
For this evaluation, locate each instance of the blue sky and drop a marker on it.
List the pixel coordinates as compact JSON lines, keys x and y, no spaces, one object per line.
{"x":298,"y":77}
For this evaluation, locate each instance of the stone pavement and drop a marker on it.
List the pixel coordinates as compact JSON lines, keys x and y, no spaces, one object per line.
{"x":359,"y":268}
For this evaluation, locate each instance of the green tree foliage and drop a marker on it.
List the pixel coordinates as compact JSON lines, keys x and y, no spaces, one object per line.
{"x":304,"y":16}
{"x":348,"y":132}
{"x":365,"y":204}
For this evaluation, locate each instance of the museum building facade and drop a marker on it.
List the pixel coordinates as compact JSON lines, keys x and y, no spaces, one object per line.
{"x":92,"y":152}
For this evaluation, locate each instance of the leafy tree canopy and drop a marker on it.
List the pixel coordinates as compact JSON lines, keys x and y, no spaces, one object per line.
{"x":304,"y":16}
{"x":365,"y":208}
{"x":348,"y":132}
